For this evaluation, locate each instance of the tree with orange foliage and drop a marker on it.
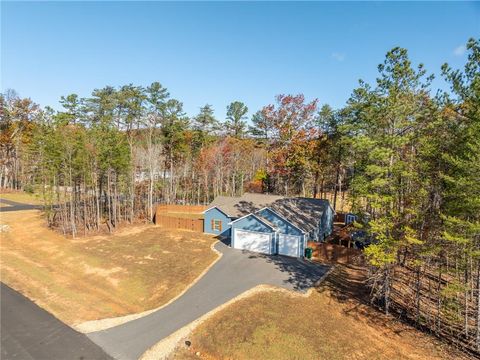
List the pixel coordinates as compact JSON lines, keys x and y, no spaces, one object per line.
{"x":293,"y":138}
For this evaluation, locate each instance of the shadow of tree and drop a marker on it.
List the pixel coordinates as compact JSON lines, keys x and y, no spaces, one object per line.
{"x":301,"y":212}
{"x":245,"y":207}
{"x":347,"y":282}
{"x":347,"y":285}
{"x":302,"y":275}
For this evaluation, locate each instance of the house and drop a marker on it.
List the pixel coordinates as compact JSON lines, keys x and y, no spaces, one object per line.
{"x":269,"y":224}
{"x":268,"y":232}
{"x":224,"y":209}
{"x":350,"y":218}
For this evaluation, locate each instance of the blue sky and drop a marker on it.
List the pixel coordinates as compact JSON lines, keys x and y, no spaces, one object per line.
{"x":218,"y":52}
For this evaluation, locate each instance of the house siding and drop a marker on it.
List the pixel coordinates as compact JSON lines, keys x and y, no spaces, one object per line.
{"x":216,"y":214}
{"x":282,"y":225}
{"x":326,"y":224}
{"x":303,"y":245}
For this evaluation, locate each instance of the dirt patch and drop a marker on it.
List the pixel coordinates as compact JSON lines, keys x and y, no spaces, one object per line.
{"x":100,"y":276}
{"x":108,"y":274}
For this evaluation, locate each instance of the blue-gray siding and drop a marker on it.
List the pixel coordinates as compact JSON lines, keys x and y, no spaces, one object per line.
{"x":303,"y":245}
{"x":216,"y":214}
{"x":326,"y":223}
{"x":280,"y":223}
{"x":284,"y":227}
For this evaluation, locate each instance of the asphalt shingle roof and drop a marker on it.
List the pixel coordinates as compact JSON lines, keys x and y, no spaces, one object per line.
{"x":305,"y":213}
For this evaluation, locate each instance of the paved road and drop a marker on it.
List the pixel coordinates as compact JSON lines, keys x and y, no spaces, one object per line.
{"x":233,"y":274}
{"x":16,"y":206}
{"x":29,"y":332}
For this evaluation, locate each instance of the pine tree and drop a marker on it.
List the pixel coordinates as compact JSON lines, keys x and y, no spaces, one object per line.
{"x":235,"y":123}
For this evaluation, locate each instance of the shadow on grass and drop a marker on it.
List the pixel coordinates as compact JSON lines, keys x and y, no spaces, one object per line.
{"x":347,"y":285}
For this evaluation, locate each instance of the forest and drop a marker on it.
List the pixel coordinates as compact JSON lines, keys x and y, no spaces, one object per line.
{"x":405,"y":156}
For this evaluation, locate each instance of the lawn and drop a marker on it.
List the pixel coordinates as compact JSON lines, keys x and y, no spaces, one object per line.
{"x":334,"y":322}
{"x":136,"y":269}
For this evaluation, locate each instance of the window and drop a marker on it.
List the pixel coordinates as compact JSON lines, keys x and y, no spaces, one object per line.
{"x":216,"y":225}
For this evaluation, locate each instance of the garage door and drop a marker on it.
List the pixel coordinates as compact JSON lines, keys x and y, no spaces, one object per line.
{"x":288,"y":244}
{"x":252,"y":241}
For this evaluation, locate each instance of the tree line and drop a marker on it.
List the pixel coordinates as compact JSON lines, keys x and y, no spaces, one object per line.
{"x":109,"y":158}
{"x":407,"y":158}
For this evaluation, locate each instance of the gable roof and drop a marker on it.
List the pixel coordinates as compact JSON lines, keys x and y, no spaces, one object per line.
{"x":259,"y":218}
{"x":215,"y":207}
{"x":303,"y":213}
{"x":258,"y":213}
{"x":238,"y":206}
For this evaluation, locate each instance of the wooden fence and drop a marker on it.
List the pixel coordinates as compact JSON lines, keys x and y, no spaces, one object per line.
{"x":171,"y":222}
{"x":336,"y":253}
{"x":340,"y":217}
{"x":173,"y":208}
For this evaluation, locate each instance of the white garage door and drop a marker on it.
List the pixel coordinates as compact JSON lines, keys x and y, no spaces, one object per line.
{"x":252,"y":241}
{"x":288,"y":244}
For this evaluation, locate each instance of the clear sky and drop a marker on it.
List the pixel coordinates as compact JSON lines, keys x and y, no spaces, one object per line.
{"x":218,"y":52}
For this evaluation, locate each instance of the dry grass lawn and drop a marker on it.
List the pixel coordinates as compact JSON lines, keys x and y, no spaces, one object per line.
{"x":97,"y":277}
{"x":334,"y":322}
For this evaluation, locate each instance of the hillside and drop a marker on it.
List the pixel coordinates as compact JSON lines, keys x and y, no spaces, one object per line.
{"x":334,"y":322}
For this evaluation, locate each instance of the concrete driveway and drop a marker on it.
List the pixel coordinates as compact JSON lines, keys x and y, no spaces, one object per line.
{"x":236,"y":272}
{"x":29,"y":332}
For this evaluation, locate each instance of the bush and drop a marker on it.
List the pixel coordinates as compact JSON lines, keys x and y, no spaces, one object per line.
{"x":29,"y":189}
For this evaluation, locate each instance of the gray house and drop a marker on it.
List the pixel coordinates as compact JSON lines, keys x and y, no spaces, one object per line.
{"x":268,"y":223}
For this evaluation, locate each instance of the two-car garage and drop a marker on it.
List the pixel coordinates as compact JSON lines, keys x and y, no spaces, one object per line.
{"x":257,"y":234}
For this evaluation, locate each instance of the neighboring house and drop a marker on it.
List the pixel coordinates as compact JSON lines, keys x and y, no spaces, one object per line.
{"x":268,"y":223}
{"x":350,"y":218}
{"x":143,"y":175}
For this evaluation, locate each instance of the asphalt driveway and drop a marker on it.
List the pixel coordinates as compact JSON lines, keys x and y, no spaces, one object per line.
{"x":236,"y":272}
{"x":16,"y":206}
{"x":31,"y":333}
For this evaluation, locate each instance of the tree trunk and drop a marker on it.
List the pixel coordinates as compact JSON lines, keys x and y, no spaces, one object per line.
{"x":387,"y":290}
{"x":478,"y":306}
{"x":337,"y":176}
{"x":417,"y":295}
